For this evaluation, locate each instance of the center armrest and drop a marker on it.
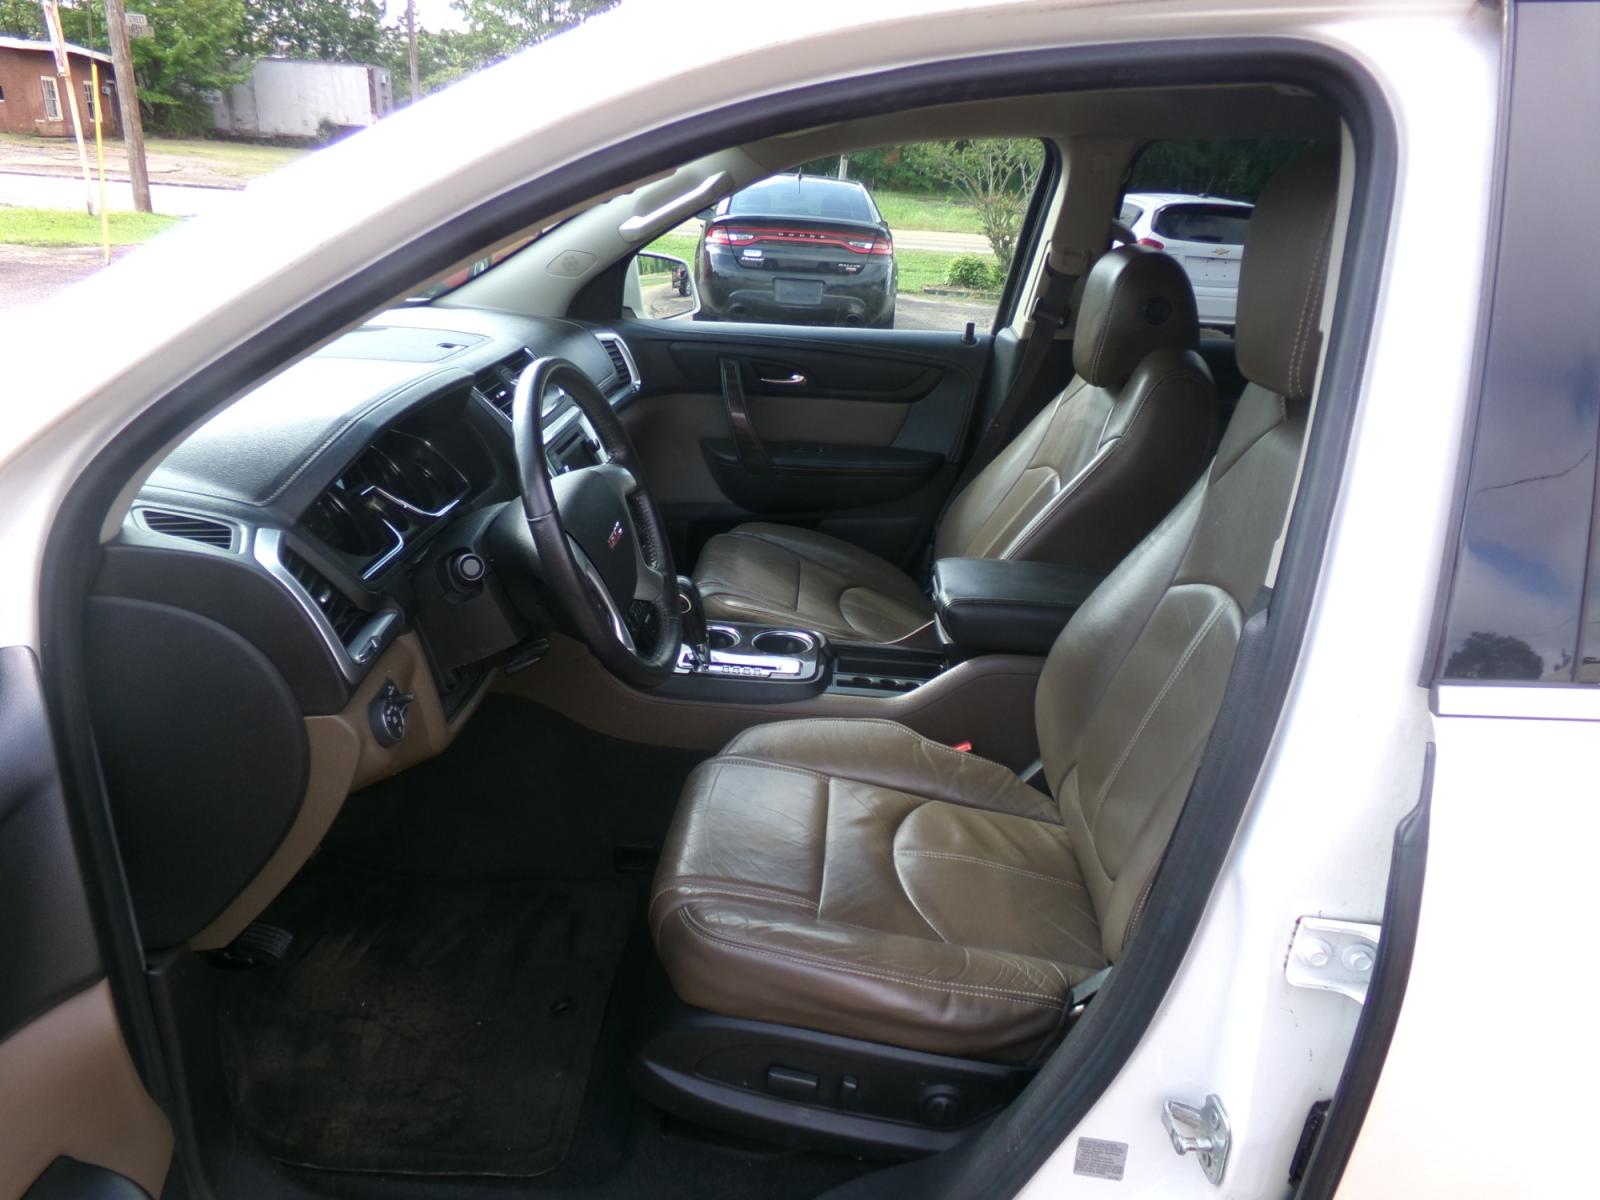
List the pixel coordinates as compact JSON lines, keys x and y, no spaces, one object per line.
{"x":1005,"y":606}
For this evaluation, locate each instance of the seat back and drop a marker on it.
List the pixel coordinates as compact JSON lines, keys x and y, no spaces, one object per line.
{"x":1131,"y":688}
{"x":1108,"y":457}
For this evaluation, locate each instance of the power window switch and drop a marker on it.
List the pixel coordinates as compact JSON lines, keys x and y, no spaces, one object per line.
{"x":792,"y":1084}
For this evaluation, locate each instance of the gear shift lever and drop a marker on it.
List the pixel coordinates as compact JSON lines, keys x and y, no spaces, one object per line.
{"x":695,"y":636}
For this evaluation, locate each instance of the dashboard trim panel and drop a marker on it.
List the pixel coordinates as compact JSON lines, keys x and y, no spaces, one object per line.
{"x":267,"y":549}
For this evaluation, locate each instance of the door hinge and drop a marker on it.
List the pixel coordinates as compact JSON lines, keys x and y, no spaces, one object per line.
{"x":1203,"y":1132}
{"x":1333,"y":956}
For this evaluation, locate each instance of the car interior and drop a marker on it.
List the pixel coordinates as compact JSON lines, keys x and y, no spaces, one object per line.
{"x":557,"y":751}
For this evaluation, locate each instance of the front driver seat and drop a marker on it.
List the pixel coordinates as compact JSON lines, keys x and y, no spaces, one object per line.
{"x":1089,"y":476}
{"x":852,"y":877}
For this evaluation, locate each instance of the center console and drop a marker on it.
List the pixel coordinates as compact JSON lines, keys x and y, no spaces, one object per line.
{"x":982,"y":607}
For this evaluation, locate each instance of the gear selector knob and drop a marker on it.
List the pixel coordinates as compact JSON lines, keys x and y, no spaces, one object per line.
{"x":694,"y":621}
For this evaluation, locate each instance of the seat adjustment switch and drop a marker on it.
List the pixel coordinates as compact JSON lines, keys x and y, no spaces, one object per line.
{"x":792,"y":1084}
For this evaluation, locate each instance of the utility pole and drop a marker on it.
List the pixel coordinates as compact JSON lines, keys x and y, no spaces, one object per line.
{"x":411,"y":33}
{"x":128,"y":104}
{"x":65,"y":84}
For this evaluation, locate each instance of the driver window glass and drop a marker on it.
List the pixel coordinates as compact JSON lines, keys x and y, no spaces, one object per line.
{"x":917,"y":236}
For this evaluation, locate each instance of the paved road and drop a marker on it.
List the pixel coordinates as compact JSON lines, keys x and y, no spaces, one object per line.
{"x":32,"y":273}
{"x":56,"y":191}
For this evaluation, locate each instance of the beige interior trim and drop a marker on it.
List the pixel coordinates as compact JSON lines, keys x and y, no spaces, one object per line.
{"x":988,"y":701}
{"x":345,"y":756}
{"x":68,"y":1087}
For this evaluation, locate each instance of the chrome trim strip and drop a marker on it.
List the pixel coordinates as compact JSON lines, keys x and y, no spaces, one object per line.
{"x":407,"y":506}
{"x":592,"y":576}
{"x":1528,"y":702}
{"x":384,"y":559}
{"x":267,"y":550}
{"x":237,"y":533}
{"x":608,"y":335}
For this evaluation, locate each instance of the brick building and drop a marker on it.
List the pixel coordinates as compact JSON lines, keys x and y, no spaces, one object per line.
{"x":30,"y":91}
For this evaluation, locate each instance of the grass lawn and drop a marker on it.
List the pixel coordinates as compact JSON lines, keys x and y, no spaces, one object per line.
{"x":678,"y":245}
{"x":922,"y":269}
{"x":905,"y":210}
{"x":244,"y":160}
{"x":72,"y":227}
{"x":237,"y":160}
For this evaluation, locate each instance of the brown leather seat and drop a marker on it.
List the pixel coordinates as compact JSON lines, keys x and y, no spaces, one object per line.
{"x":1087,"y":478}
{"x":855,"y":878}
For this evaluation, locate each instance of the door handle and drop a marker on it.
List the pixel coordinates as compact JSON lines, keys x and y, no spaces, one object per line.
{"x":792,"y":379}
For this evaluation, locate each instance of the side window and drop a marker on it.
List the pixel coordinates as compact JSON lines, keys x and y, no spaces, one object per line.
{"x":52,"y":98}
{"x":920,"y":236}
{"x":1525,"y":595}
{"x":1193,"y":200}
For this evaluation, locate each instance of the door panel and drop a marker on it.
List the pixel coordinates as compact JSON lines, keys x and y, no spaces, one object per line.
{"x":857,"y":433}
{"x":68,"y":1087}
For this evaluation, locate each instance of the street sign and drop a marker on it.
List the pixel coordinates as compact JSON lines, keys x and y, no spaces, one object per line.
{"x":139,"y":25}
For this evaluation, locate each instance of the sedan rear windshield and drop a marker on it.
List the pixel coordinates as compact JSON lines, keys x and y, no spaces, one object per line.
{"x":789,"y":196}
{"x":1222,"y":223}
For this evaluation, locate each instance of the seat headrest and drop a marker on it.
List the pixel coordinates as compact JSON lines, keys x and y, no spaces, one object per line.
{"x":1135,"y":301}
{"x":1283,"y":274}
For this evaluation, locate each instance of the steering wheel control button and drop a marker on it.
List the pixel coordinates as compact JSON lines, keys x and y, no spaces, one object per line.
{"x":466,"y":570}
{"x":387,"y":713}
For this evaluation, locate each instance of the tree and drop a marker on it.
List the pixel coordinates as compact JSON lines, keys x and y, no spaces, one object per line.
{"x":497,"y":29}
{"x":1233,"y":169}
{"x":997,"y":175}
{"x":21,"y":19}
{"x":330,"y":30}
{"x":1494,"y":656}
{"x":192,"y":50}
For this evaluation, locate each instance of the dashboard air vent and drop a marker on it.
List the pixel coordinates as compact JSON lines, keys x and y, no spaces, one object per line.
{"x":192,"y":529}
{"x":620,"y":361}
{"x":498,"y":385}
{"x":344,"y":616}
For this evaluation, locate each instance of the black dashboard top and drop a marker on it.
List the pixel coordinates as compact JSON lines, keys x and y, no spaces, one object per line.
{"x":280,"y":445}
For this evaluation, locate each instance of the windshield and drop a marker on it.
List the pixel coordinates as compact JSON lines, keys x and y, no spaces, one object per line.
{"x":456,"y":278}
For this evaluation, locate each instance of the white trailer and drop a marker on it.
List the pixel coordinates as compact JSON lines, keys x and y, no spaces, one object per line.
{"x":288,"y":98}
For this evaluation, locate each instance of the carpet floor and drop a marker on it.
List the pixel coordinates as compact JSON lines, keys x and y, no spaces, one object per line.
{"x":426,"y":1027}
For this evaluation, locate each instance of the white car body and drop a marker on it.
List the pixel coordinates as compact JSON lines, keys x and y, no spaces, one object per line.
{"x":1212,"y":263}
{"x":1478,"y":1098}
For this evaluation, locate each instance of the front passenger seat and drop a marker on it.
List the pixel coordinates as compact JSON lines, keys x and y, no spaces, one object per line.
{"x":852,"y":877}
{"x":1090,"y":475}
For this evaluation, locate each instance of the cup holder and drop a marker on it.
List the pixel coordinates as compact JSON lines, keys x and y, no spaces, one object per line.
{"x":788,"y":643}
{"x":722,"y":638}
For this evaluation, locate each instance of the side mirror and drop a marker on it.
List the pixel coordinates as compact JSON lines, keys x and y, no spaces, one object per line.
{"x":705,"y":214}
{"x":666,"y":286}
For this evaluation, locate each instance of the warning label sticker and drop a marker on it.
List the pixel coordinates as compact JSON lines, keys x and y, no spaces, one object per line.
{"x":1100,"y":1159}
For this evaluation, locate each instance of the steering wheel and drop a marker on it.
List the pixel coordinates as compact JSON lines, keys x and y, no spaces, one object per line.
{"x":601,"y":542}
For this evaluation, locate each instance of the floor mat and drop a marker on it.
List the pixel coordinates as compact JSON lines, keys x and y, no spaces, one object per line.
{"x":421,"y":1026}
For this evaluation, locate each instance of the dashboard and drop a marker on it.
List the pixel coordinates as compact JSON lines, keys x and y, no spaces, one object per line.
{"x":311,"y":592}
{"x":307,"y":514}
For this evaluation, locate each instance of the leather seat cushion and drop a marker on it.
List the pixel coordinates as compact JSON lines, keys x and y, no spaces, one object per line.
{"x":778,"y":575}
{"x":855,"y":877}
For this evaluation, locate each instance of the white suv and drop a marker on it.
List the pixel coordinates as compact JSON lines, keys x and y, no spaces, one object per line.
{"x":1205,"y":234}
